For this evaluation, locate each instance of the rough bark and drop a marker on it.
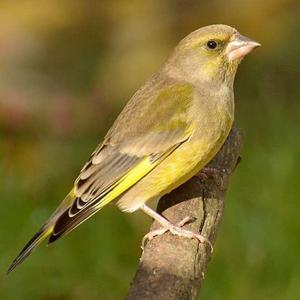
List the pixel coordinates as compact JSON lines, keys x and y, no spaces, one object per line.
{"x":173,"y":267}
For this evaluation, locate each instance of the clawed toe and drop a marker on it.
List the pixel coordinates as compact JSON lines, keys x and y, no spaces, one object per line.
{"x":185,"y":221}
{"x":190,"y":235}
{"x":176,"y":230}
{"x":152,"y":234}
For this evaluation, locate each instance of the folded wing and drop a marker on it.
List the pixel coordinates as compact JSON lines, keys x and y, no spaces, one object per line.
{"x":145,"y":133}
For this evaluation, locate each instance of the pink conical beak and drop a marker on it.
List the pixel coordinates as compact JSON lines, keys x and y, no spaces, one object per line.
{"x":240,"y":46}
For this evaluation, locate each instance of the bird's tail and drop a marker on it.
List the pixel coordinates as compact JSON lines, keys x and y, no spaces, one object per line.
{"x":41,"y":235}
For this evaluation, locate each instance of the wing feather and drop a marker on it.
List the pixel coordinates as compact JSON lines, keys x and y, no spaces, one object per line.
{"x":74,"y":216}
{"x":150,"y":128}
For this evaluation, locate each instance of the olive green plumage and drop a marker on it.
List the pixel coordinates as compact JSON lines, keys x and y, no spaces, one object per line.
{"x":169,"y":130}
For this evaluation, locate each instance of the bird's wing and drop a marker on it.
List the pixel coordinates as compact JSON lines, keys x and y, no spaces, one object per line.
{"x":151,"y":126}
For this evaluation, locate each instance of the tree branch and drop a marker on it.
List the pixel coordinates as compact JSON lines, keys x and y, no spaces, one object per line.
{"x":173,"y":267}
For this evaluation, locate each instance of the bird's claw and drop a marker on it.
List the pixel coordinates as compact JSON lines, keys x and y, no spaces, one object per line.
{"x":177,"y":230}
{"x":152,"y":234}
{"x":191,"y":235}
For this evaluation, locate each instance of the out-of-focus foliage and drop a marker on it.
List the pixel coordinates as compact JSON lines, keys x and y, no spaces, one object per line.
{"x":67,"y":68}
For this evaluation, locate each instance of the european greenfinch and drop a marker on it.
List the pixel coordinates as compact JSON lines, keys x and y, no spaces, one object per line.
{"x":169,"y":130}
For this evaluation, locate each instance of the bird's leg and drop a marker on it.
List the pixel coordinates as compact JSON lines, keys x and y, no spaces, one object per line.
{"x":174,"y":229}
{"x":162,"y":230}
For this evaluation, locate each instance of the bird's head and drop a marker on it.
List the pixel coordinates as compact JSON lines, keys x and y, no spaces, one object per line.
{"x":210,"y":54}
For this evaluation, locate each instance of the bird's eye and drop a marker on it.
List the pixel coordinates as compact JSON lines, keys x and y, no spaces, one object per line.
{"x":212,"y":44}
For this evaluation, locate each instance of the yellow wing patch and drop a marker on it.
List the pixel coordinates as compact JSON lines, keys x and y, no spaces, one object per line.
{"x":68,"y":221}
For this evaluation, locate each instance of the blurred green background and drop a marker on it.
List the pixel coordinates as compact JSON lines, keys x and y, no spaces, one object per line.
{"x":66,"y":70}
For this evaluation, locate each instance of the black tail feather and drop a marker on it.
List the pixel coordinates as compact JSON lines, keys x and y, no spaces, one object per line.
{"x":26,"y":251}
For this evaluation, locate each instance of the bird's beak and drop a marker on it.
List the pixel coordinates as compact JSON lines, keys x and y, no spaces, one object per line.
{"x":240,"y":46}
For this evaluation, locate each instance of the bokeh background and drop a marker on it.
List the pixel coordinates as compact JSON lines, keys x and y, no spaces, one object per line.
{"x":66,"y":70}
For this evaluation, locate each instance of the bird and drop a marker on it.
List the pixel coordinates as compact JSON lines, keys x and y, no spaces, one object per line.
{"x":167,"y":132}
